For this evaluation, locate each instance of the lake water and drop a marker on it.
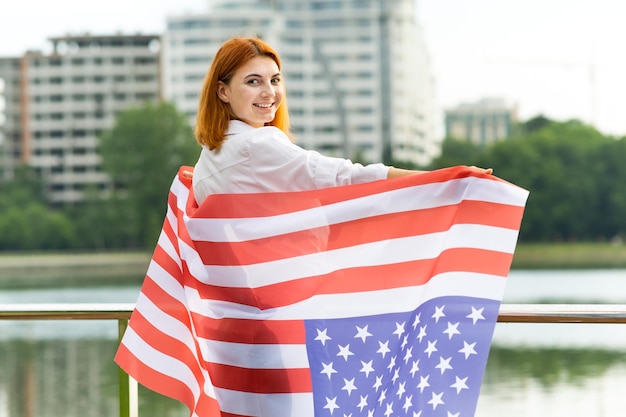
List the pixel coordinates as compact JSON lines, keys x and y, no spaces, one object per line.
{"x":65,"y":368}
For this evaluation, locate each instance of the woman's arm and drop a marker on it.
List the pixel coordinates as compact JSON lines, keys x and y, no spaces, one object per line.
{"x":399,"y":172}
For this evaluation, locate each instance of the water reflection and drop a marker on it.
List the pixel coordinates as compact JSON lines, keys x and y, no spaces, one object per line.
{"x":68,"y":377}
{"x":62,"y":368}
{"x":77,"y":377}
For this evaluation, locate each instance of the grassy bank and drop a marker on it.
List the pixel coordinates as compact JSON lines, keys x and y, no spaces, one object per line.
{"x":18,"y":270}
{"x":569,"y":256}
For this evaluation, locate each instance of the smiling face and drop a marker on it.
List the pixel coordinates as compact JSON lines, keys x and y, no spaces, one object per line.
{"x":254,"y":92}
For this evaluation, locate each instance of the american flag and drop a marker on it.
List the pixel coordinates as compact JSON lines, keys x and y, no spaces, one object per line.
{"x":373,"y":300}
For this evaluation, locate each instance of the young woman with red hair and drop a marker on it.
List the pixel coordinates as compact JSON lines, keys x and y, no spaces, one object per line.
{"x":243,"y":126}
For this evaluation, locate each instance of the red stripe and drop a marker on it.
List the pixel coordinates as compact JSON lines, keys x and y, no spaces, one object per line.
{"x":271,"y":204}
{"x":261,"y":381}
{"x":167,"y":345}
{"x":369,"y":278}
{"x":154,"y":380}
{"x":361,"y":231}
{"x":206,"y":406}
{"x":250,"y":331}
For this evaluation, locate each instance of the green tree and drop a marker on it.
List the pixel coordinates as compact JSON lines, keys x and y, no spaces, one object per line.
{"x":557,"y":164}
{"x":457,"y":152}
{"x":142,"y":154}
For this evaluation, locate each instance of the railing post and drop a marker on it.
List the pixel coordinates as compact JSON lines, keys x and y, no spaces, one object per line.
{"x":129,"y":404}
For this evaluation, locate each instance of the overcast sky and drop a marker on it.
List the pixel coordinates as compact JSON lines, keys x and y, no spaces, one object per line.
{"x":561,"y":58}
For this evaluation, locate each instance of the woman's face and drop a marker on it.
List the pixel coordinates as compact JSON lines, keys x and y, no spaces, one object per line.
{"x":254,"y":92}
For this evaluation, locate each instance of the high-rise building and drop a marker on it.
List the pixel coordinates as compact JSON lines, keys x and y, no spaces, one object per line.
{"x":357,"y":72}
{"x":60,"y":103}
{"x":10,"y":130}
{"x":484,"y":122}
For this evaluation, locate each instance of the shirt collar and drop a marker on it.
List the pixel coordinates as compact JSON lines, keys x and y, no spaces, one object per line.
{"x":237,"y":126}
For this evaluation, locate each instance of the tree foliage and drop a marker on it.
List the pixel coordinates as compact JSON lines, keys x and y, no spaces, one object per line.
{"x":573,"y":174}
{"x":142,"y":154}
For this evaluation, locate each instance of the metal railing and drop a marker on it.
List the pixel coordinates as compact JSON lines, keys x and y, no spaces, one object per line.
{"x":128,"y":392}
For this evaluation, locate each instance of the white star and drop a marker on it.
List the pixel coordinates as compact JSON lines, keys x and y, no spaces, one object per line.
{"x":328,"y":369}
{"x":452,"y":330}
{"x":431,"y":348}
{"x":405,"y":341}
{"x":444,"y":364}
{"x":367,"y":368}
{"x":322,"y":336}
{"x":363,"y":403}
{"x":417,"y":320}
{"x":435,"y":400}
{"x":476,"y":315}
{"x":370,"y":413}
{"x":378,"y":383}
{"x":408,"y":403}
{"x":401,"y":389}
{"x":408,"y":355}
{"x":422,"y":333}
{"x":453,"y":415}
{"x":423,"y":383}
{"x":415,"y":368}
{"x":468,"y":349}
{"x":399,"y":329}
{"x":331,"y":404}
{"x":349,"y":386}
{"x":417,"y":414}
{"x":382,"y":397}
{"x":459,"y":384}
{"x":389,"y":409}
{"x":362,"y":333}
{"x":392,"y":363}
{"x":384,"y":348}
{"x":396,"y":375}
{"x":438,"y":313}
{"x":345,"y":351}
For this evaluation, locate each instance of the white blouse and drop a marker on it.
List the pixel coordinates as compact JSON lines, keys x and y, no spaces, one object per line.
{"x":263,"y":159}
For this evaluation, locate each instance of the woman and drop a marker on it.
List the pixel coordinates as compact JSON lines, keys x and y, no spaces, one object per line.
{"x":243,"y":127}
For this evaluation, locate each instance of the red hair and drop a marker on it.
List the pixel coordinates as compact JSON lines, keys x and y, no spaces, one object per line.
{"x":214,"y":115}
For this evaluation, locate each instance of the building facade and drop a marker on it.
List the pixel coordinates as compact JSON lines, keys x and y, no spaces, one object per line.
{"x":61,"y":102}
{"x":357,"y":72}
{"x":10,"y":122}
{"x":484,"y":122}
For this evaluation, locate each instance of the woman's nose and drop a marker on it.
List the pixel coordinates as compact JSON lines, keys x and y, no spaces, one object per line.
{"x":268,"y":90}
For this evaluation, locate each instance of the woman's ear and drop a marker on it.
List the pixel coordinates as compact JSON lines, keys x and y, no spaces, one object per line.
{"x":222,"y":91}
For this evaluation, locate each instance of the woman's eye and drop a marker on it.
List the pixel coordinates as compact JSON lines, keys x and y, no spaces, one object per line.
{"x":275,"y":80}
{"x":253,"y":81}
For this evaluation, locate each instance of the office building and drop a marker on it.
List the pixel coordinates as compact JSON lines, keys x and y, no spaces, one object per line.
{"x":484,"y":122}
{"x":59,"y":103}
{"x":10,"y":130}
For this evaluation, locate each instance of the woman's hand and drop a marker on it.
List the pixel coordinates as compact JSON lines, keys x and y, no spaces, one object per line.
{"x":487,"y":171}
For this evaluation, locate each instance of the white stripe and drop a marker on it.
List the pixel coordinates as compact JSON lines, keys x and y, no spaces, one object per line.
{"x":383,"y":252}
{"x":166,"y":281}
{"x":255,"y":356}
{"x":329,"y":306}
{"x":166,"y":244}
{"x":265,"y":405}
{"x":166,"y":323}
{"x":160,"y":362}
{"x":405,"y":199}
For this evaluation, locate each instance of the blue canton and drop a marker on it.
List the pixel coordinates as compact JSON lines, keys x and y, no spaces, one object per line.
{"x":425,"y":363}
